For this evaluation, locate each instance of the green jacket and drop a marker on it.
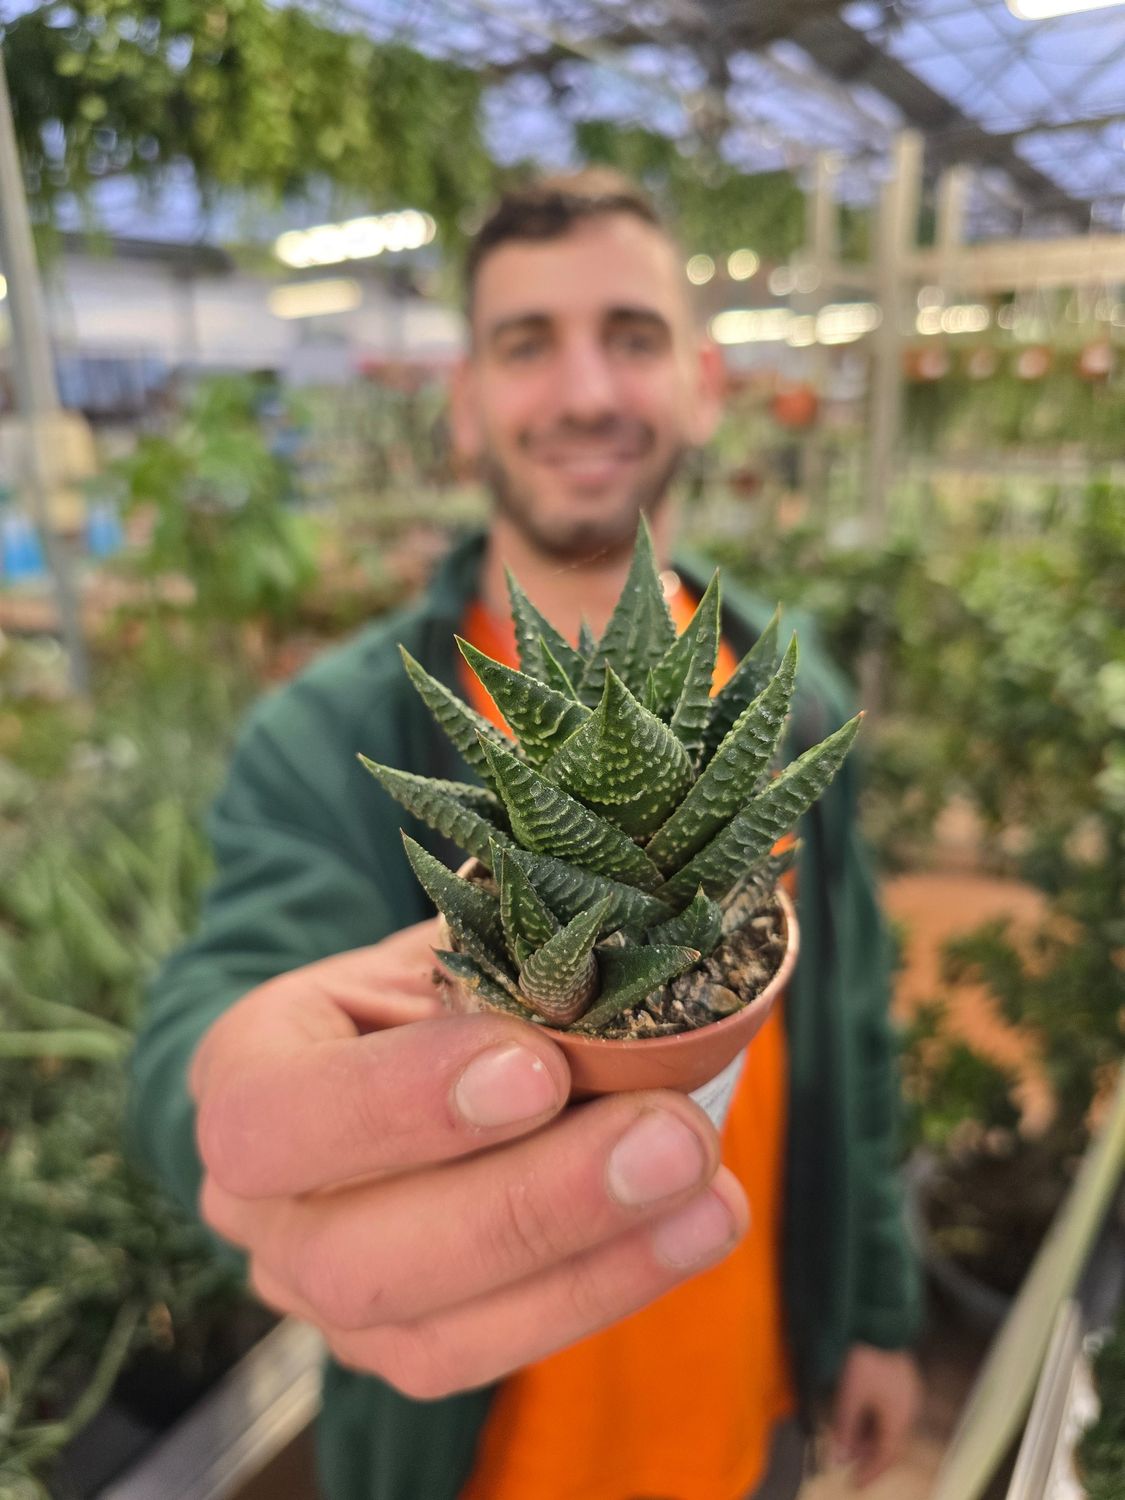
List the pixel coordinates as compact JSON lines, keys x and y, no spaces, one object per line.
{"x":310,"y":863}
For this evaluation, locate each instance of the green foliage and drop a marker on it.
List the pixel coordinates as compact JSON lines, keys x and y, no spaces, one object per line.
{"x":946,"y":1082}
{"x":216,"y":496}
{"x":263,"y":98}
{"x":958,"y":414}
{"x":626,"y":853}
{"x":999,"y":643}
{"x":714,"y":207}
{"x":1101,"y":1451}
{"x":100,"y":873}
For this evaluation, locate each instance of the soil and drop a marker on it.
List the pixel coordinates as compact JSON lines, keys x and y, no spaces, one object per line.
{"x":734,"y":975}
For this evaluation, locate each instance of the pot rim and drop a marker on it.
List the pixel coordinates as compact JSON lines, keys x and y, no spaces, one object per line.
{"x":672,"y":1042}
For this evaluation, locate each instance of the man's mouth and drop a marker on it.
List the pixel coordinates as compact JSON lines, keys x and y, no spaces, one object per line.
{"x":587,"y":464}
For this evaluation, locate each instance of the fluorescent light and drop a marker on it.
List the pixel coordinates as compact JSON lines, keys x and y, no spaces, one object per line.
{"x":962,"y":317}
{"x":837,"y":323}
{"x":315,"y":299}
{"x":844,"y":322}
{"x":700,"y":269}
{"x":354,"y":239}
{"x":1043,"y":10}
{"x":762,"y":325}
{"x":3,"y":288}
{"x":741,"y":264}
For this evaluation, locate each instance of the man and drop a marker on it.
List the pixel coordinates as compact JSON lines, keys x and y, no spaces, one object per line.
{"x":552,"y":1302}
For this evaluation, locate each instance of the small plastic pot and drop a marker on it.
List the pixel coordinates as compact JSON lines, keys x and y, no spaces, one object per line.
{"x":705,"y":1063}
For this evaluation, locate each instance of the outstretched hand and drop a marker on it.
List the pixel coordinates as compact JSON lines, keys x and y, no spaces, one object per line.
{"x":409,"y":1182}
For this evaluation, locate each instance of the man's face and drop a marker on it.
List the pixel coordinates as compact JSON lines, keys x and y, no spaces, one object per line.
{"x":586,"y":382}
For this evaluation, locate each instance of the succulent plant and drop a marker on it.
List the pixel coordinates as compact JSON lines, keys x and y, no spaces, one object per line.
{"x":629,"y":829}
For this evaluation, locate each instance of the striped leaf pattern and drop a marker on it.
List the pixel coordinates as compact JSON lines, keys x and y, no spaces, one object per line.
{"x":624,"y":763}
{"x":632,"y":827}
{"x":731,"y":775}
{"x":550,"y":821}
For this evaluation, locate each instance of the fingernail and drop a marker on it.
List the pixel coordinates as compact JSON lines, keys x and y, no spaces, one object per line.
{"x":694,"y":1234}
{"x":503,"y":1086}
{"x":657,"y":1156}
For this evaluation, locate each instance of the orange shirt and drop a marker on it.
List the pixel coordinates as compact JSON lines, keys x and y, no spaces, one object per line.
{"x":678,"y":1401}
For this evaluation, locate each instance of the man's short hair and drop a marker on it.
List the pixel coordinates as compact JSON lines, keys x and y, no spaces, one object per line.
{"x":550,"y":207}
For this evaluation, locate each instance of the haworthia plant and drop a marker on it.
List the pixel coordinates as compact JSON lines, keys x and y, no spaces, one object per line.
{"x":628,"y":829}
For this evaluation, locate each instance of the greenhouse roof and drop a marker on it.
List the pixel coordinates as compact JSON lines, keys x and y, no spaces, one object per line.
{"x":1037,"y":107}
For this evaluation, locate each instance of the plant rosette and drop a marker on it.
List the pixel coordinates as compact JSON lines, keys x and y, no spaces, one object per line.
{"x":705,"y":1062}
{"x":626,"y":843}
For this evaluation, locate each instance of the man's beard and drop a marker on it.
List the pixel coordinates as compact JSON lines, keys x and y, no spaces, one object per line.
{"x":579,"y":540}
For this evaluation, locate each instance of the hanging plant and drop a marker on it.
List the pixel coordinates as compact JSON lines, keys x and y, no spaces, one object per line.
{"x":1096,"y":360}
{"x":253,"y":96}
{"x":1034,"y":362}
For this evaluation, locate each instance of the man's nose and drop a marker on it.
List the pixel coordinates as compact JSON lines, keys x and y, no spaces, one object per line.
{"x":587,"y":388}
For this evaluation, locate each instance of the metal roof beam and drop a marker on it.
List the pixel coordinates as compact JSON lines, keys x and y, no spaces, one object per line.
{"x":846,"y":54}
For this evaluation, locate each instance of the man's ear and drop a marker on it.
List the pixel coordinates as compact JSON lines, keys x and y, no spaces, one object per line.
{"x":711,"y":385}
{"x":464,"y":418}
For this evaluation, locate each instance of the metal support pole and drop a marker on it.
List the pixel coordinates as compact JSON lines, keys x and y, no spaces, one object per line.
{"x":820,"y":254}
{"x":898,"y":229}
{"x":952,"y":195}
{"x":37,"y":399}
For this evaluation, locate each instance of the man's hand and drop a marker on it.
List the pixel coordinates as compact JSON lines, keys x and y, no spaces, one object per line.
{"x":408,"y":1182}
{"x":877,"y":1401}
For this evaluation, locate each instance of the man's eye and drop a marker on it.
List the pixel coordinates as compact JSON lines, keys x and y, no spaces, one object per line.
{"x":635,"y":341}
{"x":524,"y":349}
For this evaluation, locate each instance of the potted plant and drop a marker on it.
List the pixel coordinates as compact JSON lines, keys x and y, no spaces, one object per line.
{"x":622,"y":888}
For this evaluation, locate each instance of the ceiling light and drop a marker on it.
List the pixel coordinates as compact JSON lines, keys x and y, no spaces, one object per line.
{"x":761,"y":325}
{"x":3,"y":288}
{"x":354,"y":239}
{"x":844,"y":322}
{"x":1043,"y":10}
{"x":741,"y":264}
{"x":700,"y":269}
{"x":315,"y":299}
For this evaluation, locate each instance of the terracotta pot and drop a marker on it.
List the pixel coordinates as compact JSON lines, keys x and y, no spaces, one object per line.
{"x":1096,"y":361}
{"x":796,"y":406}
{"x":1034,"y":362}
{"x":688,"y":1061}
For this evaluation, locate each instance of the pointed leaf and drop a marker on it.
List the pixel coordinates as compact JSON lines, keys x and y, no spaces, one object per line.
{"x":748,"y":894}
{"x":755,"y":831}
{"x":541,"y":718}
{"x":472,"y":974}
{"x":681,"y":680}
{"x":534,"y":631}
{"x":623,"y":762}
{"x":548,"y":820}
{"x":747,"y":681}
{"x":472,"y":913}
{"x":469,"y":815}
{"x":587,"y":642}
{"x":628,"y":975}
{"x":699,"y":925}
{"x":555,"y":675}
{"x":731,"y":777}
{"x":528,"y":922}
{"x":561,"y":978}
{"x":568,"y":891}
{"x":462,"y":724}
{"x":640,"y":629}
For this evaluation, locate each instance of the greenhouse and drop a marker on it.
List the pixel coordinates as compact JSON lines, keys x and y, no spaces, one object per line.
{"x":491,"y":1008}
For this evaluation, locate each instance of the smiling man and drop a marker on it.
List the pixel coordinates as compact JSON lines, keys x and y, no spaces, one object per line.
{"x":527,"y":1301}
